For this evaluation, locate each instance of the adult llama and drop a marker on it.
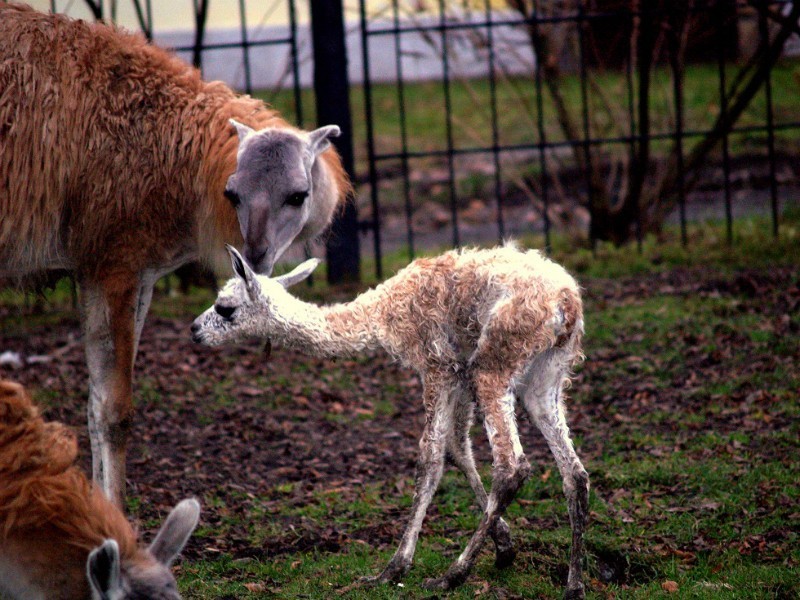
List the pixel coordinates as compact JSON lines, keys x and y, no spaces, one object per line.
{"x":119,"y":163}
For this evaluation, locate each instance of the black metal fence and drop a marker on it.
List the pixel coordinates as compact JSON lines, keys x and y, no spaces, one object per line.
{"x":474,"y":122}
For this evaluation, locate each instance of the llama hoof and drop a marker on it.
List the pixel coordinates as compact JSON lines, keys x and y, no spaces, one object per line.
{"x":575,"y":594}
{"x":450,"y":580}
{"x":504,"y":558}
{"x":437,"y":583}
{"x":504,"y":547}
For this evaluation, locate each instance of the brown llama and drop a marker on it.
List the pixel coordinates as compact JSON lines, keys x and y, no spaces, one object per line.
{"x":119,"y":163}
{"x":60,"y":537}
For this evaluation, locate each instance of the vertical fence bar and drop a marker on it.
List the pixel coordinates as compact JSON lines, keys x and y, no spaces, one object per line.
{"x":581,"y":23}
{"x":677,"y":91}
{"x":632,"y":53}
{"x":448,"y":108}
{"x":535,"y":21}
{"x":373,"y":172}
{"x":248,"y":83}
{"x":298,"y":96}
{"x":498,"y":191}
{"x":773,"y":183}
{"x":401,"y":101}
{"x":723,"y":108}
{"x":149,"y":7}
{"x":332,"y":94}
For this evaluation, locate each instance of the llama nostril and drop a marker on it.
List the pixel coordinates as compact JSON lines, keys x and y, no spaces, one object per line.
{"x":195,"y":329}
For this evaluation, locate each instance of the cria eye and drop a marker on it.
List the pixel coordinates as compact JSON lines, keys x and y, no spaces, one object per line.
{"x":233,"y":197}
{"x":226,"y":312}
{"x":297,"y":199}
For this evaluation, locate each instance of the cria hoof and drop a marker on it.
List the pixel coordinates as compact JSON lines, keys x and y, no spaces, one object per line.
{"x":449,"y":581}
{"x":576,"y":594}
{"x":505,"y":558}
{"x":438,"y":583}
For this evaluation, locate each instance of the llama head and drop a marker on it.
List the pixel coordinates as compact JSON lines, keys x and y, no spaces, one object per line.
{"x":273,"y":191}
{"x":249,"y":305}
{"x":148,"y":574}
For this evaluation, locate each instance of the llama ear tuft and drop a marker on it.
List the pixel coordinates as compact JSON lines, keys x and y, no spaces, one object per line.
{"x":321,"y":138}
{"x":241,"y":129}
{"x":175,"y":531}
{"x":103,"y":570}
{"x":299,"y":273}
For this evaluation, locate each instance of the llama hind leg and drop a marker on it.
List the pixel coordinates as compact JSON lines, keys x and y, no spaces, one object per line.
{"x":459,"y":448}
{"x":439,"y":405}
{"x":509,"y":470}
{"x":544,"y":403}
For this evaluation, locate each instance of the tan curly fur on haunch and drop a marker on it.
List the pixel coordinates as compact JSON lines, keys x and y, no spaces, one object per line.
{"x":52,"y":517}
{"x":481,"y":327}
{"x":114,"y":160}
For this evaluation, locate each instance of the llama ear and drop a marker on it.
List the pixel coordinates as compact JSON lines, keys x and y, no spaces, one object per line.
{"x":243,"y":271}
{"x":240,"y":266}
{"x":320,"y":138}
{"x":175,"y":531}
{"x":242,"y":129}
{"x":299,"y":273}
{"x":103,"y":570}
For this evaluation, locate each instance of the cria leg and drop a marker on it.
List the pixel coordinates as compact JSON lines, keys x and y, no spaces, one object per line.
{"x":439,"y":406}
{"x":509,"y":470}
{"x":544,"y":402}
{"x":459,"y":448}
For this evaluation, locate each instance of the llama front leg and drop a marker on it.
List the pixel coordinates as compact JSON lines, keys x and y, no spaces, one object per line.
{"x":109,"y":332}
{"x":459,"y":448}
{"x":509,"y":470}
{"x":439,"y":405}
{"x":544,"y":403}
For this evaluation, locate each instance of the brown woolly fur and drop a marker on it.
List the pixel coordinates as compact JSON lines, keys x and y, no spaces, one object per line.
{"x":115,"y":153}
{"x":42,"y":490}
{"x":114,"y":159}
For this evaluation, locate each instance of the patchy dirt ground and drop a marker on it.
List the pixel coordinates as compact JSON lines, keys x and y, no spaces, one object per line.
{"x":231,"y":423}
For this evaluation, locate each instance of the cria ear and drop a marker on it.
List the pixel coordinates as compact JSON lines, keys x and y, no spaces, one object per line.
{"x":243,"y":271}
{"x":320,"y":138}
{"x":299,"y":273}
{"x":175,"y":531}
{"x":103,"y":570}
{"x":242,"y":129}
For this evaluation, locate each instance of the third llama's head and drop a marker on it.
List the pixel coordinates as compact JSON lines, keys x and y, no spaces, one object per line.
{"x":250,"y":305}
{"x":147,"y":574}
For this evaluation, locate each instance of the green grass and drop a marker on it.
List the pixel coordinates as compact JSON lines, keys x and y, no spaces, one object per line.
{"x":678,"y":495}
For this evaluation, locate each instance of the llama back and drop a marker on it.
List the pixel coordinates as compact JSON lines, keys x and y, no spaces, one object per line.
{"x":464,"y":289}
{"x":103,"y":137}
{"x":41,"y":489}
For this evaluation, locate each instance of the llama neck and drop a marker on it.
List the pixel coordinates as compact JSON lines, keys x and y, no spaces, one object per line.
{"x":335,"y":330}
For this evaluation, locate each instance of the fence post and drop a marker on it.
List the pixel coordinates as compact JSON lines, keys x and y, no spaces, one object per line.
{"x":332,"y":92}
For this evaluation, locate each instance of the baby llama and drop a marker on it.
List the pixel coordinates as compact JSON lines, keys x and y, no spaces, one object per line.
{"x":485,"y":327}
{"x":60,"y":537}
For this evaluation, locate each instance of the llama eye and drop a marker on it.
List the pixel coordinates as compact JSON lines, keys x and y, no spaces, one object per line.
{"x":233,"y":197}
{"x":226,"y":312}
{"x":297,"y":199}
